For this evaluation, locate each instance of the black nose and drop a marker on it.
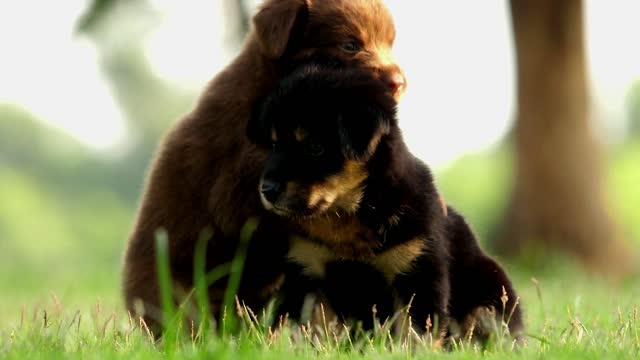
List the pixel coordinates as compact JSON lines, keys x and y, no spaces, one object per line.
{"x":270,"y":190}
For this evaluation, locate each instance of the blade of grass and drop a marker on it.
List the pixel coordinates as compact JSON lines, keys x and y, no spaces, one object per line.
{"x":166,"y":298}
{"x":201,"y":286}
{"x":230,"y":321}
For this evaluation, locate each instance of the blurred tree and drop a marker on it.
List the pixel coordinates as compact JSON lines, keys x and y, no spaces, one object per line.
{"x":96,"y":10}
{"x":236,"y":21}
{"x":62,"y":165}
{"x":56,"y":195}
{"x":558,"y":200}
{"x":118,"y":29}
{"x":150,"y":104}
{"x":633,"y":103}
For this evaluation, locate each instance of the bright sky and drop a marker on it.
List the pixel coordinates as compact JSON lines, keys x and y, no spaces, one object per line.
{"x":53,"y":74}
{"x":458,"y":64}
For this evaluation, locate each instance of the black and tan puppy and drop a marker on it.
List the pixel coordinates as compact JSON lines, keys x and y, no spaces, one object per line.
{"x":368,"y":222}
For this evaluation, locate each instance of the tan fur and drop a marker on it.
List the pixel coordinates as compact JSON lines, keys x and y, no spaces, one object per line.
{"x":311,"y":255}
{"x":394,"y":220}
{"x":341,"y":191}
{"x":399,"y":259}
{"x":373,"y":144}
{"x":300,"y":134}
{"x":345,"y":236}
{"x":314,"y":256}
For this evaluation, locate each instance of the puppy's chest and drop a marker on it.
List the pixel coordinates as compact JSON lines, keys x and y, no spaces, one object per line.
{"x":348,"y":240}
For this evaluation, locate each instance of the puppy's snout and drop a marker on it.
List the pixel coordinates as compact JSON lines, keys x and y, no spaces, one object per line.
{"x":271,"y":190}
{"x":396,"y":82}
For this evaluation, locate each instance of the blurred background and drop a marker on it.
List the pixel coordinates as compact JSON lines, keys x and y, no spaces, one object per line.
{"x":528,"y":114}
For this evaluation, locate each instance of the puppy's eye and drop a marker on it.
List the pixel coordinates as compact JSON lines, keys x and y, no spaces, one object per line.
{"x":313,"y":150}
{"x":350,"y":46}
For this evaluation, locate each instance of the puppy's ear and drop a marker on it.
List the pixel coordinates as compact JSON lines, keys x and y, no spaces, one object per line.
{"x":367,"y":113}
{"x":276,"y":25}
{"x":361,"y":129}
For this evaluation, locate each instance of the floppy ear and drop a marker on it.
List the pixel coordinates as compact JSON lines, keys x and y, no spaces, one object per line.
{"x":361,"y":129}
{"x":276,"y":22}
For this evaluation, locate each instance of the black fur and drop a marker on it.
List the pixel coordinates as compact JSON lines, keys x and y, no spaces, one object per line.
{"x":350,"y":117}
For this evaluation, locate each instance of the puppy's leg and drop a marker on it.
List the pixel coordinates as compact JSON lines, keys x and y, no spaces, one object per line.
{"x":141,"y":293}
{"x":294,"y":293}
{"x":483,"y":299}
{"x":358,"y":293}
{"x":302,"y":302}
{"x":426,"y":289}
{"x":262,"y":272}
{"x":265,"y":263}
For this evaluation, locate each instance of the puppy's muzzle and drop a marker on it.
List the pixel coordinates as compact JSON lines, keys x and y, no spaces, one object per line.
{"x":396,"y":83}
{"x":271,"y":190}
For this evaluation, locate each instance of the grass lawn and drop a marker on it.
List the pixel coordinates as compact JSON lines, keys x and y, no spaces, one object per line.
{"x":65,"y":301}
{"x":568,"y":314}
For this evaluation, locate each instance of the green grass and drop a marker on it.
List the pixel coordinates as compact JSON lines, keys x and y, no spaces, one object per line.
{"x":60,"y":290}
{"x":568,"y":314}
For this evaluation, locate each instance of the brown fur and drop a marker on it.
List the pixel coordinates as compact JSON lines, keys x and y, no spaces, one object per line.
{"x":206,"y":173}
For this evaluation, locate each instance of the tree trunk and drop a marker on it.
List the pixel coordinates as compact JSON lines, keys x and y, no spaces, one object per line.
{"x":237,"y":19}
{"x":558,"y":199}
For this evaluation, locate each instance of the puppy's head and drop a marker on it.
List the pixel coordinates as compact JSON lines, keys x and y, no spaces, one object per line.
{"x":321,"y":127}
{"x":341,"y":33}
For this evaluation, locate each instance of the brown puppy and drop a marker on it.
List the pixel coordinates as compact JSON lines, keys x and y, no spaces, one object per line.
{"x":206,"y":172}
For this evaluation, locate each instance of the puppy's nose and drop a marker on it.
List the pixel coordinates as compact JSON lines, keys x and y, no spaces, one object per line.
{"x":270,"y":190}
{"x":396,"y":82}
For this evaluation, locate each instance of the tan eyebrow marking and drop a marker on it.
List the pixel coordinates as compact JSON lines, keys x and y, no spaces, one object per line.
{"x":300,"y":134}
